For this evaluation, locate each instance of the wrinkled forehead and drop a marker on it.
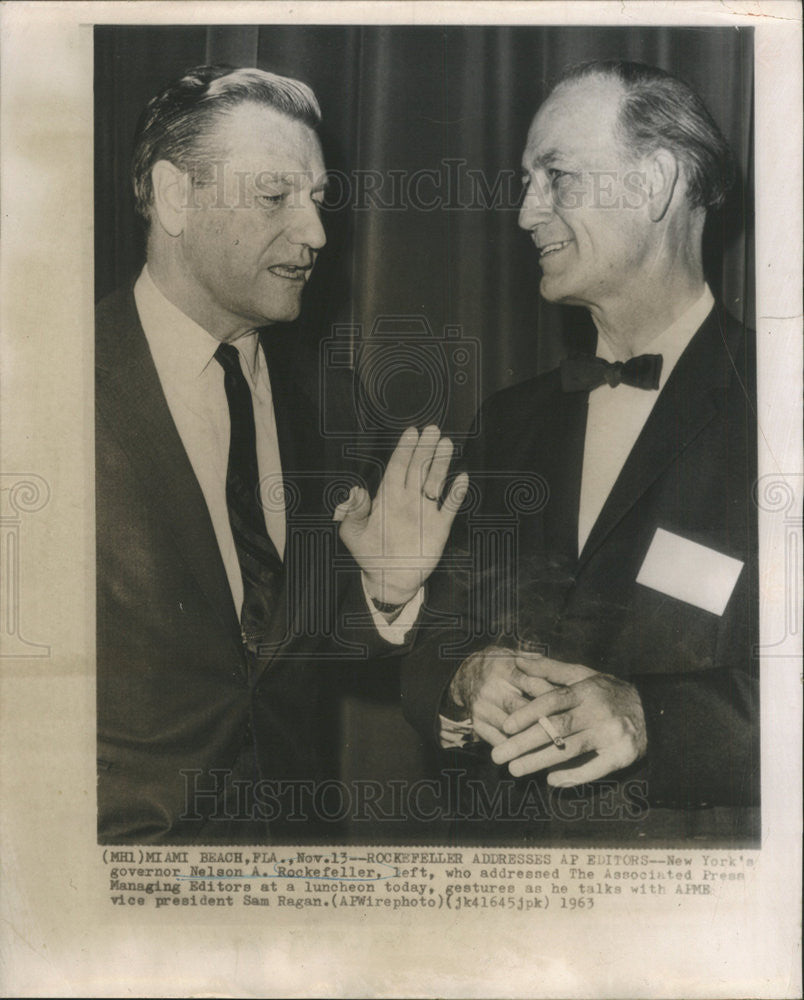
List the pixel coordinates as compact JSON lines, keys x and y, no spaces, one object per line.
{"x":578,"y":120}
{"x":259,"y":137}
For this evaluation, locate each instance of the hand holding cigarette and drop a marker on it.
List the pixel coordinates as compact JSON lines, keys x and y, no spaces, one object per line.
{"x":585,"y":714}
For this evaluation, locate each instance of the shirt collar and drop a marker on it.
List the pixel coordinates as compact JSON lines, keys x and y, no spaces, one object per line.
{"x":180,"y":347}
{"x":672,"y":342}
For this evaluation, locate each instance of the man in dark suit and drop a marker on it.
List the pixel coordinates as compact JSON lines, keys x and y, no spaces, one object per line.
{"x":224,"y":608}
{"x":607,"y":650}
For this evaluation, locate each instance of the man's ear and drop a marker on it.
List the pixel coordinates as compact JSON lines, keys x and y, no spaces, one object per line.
{"x":662,"y":179}
{"x":171,"y":192}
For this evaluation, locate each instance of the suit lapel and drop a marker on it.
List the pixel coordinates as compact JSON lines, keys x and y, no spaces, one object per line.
{"x":129,"y":390}
{"x":688,"y":402}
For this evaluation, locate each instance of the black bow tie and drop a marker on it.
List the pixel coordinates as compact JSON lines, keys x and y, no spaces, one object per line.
{"x":584,"y":372}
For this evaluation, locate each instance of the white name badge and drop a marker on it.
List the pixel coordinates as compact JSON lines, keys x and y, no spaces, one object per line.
{"x":689,"y":572}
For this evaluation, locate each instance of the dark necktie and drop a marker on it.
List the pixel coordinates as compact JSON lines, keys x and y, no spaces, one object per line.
{"x":584,"y":372}
{"x":260,"y":565}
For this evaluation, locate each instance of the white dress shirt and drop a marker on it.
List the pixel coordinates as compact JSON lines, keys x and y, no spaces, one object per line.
{"x":192,"y":381}
{"x":617,"y":414}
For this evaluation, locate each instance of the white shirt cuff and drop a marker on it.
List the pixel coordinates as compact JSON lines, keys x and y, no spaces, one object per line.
{"x":395,"y":632}
{"x":455,"y":734}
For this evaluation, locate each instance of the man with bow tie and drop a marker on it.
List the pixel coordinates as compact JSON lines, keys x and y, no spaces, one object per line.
{"x":614,"y":645}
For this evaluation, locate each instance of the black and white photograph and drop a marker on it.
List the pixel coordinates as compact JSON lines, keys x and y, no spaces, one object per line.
{"x":401,"y":499}
{"x":497,"y":327}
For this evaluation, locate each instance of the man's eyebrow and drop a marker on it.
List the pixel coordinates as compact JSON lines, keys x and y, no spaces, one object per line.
{"x":292,"y":178}
{"x":545,"y":159}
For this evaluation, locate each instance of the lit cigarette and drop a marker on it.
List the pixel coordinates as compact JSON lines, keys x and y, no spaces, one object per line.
{"x":548,"y":727}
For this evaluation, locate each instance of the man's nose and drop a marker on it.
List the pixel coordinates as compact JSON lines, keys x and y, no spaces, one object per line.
{"x":306,"y":226}
{"x":537,"y":205}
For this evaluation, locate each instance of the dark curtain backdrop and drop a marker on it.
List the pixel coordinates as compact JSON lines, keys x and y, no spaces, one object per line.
{"x":398,"y":101}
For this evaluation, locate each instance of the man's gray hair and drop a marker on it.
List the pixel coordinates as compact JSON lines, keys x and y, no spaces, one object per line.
{"x":181,"y":123}
{"x":658,"y":110}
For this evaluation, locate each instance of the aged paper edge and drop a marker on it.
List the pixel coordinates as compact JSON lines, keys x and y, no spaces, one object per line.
{"x":59,"y":938}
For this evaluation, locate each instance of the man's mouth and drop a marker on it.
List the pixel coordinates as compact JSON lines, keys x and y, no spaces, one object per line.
{"x":551,"y":248}
{"x":292,"y":272}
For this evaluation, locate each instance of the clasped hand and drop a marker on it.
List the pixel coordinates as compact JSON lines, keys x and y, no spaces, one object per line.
{"x":398,"y":537}
{"x":599,"y":717}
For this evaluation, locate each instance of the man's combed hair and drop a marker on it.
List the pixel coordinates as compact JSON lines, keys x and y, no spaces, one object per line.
{"x":660,"y":111}
{"x":180,"y":124}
